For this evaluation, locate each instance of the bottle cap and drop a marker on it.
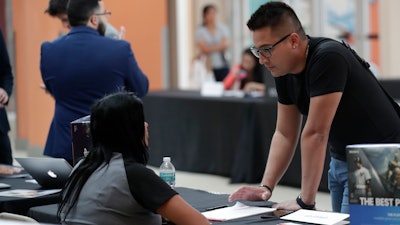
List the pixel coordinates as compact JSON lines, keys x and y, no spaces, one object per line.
{"x":167,"y":158}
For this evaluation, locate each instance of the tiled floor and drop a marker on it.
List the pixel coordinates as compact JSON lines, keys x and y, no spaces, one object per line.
{"x":212,"y":183}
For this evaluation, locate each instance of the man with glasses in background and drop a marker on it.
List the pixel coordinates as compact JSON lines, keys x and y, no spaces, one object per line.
{"x":58,"y":8}
{"x":333,"y":87}
{"x":83,"y":66}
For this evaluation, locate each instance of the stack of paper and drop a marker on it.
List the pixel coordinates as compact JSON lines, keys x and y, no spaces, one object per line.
{"x":317,"y":217}
{"x":239,"y":210}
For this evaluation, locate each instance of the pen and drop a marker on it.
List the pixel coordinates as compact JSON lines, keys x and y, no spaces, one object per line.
{"x":216,"y":207}
{"x":268,"y":218}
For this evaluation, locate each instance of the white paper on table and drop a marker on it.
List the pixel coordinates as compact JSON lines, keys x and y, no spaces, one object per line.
{"x":316,"y":217}
{"x":239,"y":210}
{"x":28,"y":193}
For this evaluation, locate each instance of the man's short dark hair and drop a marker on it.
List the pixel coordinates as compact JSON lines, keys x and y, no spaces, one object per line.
{"x":79,"y":11}
{"x":275,"y":15}
{"x":57,"y":7}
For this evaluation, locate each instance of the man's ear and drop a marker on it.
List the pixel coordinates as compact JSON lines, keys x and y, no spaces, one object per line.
{"x":294,"y":39}
{"x":94,"y":20}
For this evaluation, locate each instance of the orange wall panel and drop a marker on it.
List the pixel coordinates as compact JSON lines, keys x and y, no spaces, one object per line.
{"x":374,"y":29}
{"x":34,"y":107}
{"x":144,"y":22}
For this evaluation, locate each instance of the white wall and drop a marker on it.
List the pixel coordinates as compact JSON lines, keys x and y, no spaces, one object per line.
{"x":189,"y":13}
{"x":389,"y":37}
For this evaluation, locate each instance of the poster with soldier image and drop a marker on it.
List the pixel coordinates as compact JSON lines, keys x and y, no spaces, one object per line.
{"x":374,"y":174}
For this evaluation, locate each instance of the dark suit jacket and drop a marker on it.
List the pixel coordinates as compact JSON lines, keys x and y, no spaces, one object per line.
{"x":79,"y":68}
{"x":6,"y":82}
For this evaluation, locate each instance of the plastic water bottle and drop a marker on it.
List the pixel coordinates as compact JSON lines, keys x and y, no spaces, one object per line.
{"x":167,"y":172}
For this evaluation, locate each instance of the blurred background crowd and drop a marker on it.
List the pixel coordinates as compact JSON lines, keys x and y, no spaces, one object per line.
{"x":164,"y":36}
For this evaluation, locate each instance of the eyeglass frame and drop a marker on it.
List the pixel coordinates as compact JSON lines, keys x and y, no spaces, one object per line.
{"x":261,"y":51}
{"x":105,"y":13}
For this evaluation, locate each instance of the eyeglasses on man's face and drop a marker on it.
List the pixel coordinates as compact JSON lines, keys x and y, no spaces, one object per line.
{"x":106,"y":13}
{"x":266,"y":52}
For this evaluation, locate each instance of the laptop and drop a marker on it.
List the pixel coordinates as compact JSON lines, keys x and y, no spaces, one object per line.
{"x":50,"y":173}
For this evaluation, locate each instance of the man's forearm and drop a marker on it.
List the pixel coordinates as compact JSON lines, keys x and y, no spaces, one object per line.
{"x":279,"y":158}
{"x":313,"y":152}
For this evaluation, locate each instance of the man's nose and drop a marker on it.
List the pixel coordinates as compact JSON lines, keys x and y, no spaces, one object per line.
{"x":262,"y":60}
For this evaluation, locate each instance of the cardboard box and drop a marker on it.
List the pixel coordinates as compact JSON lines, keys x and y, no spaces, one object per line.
{"x":374,"y":183}
{"x":80,"y":131}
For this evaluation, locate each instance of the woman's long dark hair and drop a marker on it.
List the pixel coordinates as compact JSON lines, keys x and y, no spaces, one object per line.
{"x":116,"y":125}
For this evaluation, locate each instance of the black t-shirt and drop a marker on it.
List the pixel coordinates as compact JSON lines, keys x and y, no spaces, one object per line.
{"x":364,"y":115}
{"x":149,"y":190}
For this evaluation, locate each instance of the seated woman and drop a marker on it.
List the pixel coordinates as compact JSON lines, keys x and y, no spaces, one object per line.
{"x":112,"y":185}
{"x":247,"y":76}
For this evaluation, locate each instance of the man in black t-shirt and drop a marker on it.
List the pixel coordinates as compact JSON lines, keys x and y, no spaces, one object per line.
{"x":328,"y":83}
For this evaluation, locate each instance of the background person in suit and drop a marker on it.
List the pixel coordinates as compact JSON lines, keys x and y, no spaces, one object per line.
{"x":83,"y":66}
{"x":6,"y":86}
{"x":58,"y":8}
{"x":119,"y":154}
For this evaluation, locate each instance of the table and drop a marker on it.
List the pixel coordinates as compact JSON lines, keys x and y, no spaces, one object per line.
{"x":199,"y":199}
{"x":225,"y":136}
{"x":22,"y":205}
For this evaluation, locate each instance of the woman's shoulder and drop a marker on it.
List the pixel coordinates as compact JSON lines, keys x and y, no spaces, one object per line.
{"x":135,"y":167}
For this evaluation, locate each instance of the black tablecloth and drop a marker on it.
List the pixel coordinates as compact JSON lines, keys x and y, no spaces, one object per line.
{"x":224,"y":136}
{"x":22,"y":205}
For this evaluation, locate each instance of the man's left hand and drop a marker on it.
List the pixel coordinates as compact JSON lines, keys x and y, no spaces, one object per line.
{"x":290,"y":205}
